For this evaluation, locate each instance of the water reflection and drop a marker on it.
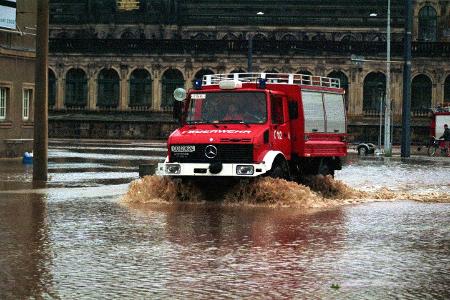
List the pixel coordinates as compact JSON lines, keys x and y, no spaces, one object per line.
{"x":25,"y":248}
{"x":213,"y":251}
{"x":208,"y":225}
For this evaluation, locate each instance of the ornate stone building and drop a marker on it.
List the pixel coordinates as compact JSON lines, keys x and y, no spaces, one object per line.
{"x":114,"y":64}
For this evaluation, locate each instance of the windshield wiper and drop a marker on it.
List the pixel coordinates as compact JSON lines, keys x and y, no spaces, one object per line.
{"x":235,"y":121}
{"x":231,"y":121}
{"x":196,"y":122}
{"x":212,"y":123}
{"x":202,"y":122}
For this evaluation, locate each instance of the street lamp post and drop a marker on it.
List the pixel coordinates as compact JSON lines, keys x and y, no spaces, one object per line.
{"x":406,"y":109}
{"x":250,"y":48}
{"x":382,"y":95}
{"x":387,"y":109}
{"x":387,"y":112}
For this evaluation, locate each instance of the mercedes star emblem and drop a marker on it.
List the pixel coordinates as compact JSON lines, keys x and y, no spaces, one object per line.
{"x":211,"y":151}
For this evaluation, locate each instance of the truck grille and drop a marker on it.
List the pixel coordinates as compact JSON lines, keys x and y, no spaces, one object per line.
{"x":226,"y":153}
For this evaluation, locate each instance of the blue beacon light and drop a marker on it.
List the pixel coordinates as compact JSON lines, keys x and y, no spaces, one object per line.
{"x":198,"y":84}
{"x":261,"y":83}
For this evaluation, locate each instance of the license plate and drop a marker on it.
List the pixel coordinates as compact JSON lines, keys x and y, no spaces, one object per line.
{"x":189,"y":148}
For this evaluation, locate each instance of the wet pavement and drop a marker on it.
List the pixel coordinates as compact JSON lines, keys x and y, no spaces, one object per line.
{"x":75,"y":239}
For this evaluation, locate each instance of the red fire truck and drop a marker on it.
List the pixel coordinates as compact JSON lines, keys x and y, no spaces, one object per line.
{"x":253,"y":124}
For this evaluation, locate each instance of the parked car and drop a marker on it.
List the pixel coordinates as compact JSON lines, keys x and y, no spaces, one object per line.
{"x":365,"y":148}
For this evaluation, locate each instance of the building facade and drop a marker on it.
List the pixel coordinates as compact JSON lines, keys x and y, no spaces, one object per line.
{"x":17,"y":59}
{"x":115,"y":63}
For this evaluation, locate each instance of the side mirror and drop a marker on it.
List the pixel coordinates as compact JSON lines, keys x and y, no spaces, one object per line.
{"x":180,"y":95}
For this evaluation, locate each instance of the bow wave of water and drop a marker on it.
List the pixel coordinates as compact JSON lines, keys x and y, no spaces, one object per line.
{"x":317,"y":192}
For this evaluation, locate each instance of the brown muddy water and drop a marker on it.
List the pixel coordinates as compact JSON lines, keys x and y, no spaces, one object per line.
{"x":91,"y":234}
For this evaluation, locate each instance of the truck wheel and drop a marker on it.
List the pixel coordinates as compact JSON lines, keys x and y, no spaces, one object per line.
{"x":325,"y":168}
{"x":280,"y":169}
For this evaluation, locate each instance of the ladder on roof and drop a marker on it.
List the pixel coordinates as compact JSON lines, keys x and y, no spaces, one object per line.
{"x":280,"y":78}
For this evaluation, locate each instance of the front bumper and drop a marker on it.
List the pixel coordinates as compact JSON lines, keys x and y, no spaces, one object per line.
{"x":204,"y":169}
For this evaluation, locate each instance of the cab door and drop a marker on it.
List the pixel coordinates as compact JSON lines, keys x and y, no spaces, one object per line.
{"x":280,"y":137}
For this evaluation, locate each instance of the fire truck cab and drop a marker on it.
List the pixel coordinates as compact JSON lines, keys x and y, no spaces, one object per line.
{"x":254,"y":124}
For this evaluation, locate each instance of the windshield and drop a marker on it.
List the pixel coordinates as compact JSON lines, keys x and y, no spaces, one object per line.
{"x":227,"y":107}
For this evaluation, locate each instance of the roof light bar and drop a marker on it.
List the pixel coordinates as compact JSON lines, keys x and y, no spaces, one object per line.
{"x":230,"y":84}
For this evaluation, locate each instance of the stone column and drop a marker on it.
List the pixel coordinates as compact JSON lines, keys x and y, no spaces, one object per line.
{"x":92,"y":88}
{"x":60,"y":91}
{"x":349,"y":98}
{"x":438,"y":88}
{"x":123,"y":100}
{"x":92,"y":93}
{"x":188,"y":80}
{"x":356,"y":92}
{"x":397,"y":91}
{"x":156,"y":88}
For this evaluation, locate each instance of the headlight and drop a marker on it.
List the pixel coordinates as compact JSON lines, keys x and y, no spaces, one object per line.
{"x":173,"y":168}
{"x":245,"y":170}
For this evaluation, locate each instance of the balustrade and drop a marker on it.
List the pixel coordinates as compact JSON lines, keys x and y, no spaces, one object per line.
{"x":198,"y":47}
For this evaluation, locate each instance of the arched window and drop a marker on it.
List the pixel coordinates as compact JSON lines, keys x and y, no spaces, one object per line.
{"x":171,"y":80}
{"x":200,"y":36}
{"x":447,"y":89}
{"x":344,"y":83}
{"x":305,"y":72}
{"x":378,"y":38}
{"x":259,"y":37}
{"x":201,"y":73}
{"x":349,"y":38}
{"x":288,"y":37}
{"x":427,"y":24}
{"x":271,"y":71}
{"x":127,"y":35}
{"x":421,"y":94}
{"x":239,"y":70}
{"x":229,"y":36}
{"x":76,"y":88}
{"x":140,"y":88}
{"x":319,"y":37}
{"x":51,"y":88}
{"x":305,"y":79}
{"x":373,"y":92}
{"x":108,"y":88}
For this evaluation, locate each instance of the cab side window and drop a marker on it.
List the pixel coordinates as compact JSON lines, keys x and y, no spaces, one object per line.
{"x":276,"y":104}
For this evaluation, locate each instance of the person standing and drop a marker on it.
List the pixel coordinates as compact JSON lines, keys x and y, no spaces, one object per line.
{"x":446,"y":138}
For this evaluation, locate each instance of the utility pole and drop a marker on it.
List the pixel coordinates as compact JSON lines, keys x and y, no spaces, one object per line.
{"x":406,"y":111}
{"x":40,"y":144}
{"x":250,"y":54}
{"x":387,"y":112}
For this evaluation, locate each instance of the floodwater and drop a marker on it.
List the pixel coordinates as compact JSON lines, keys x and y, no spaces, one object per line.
{"x":76,"y":238}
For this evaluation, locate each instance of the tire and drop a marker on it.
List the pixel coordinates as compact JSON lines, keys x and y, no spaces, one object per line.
{"x":432,"y":150}
{"x":363,"y":151}
{"x":325,"y":168}
{"x":280,"y":169}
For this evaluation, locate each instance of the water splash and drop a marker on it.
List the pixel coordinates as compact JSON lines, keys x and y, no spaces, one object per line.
{"x":316,"y":192}
{"x":155,"y":189}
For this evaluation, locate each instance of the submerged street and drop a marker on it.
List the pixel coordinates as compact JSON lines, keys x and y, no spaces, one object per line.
{"x":75,"y":238}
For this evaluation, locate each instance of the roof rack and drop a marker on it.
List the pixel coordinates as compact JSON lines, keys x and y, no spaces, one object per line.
{"x":280,"y":78}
